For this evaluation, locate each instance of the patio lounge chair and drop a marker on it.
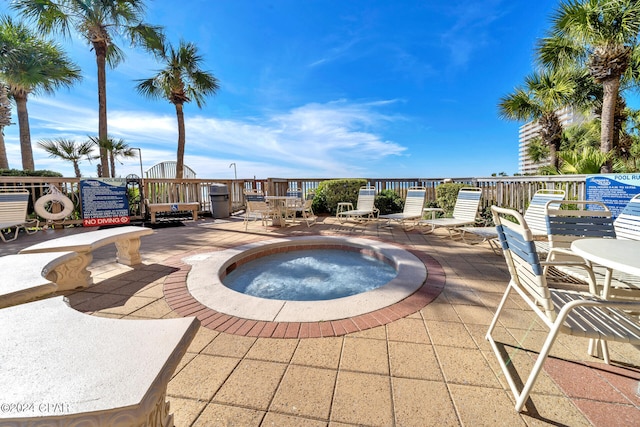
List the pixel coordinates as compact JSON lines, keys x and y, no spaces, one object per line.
{"x":365,"y":208}
{"x":464,"y":212}
{"x":413,"y":205}
{"x":627,"y":224}
{"x":562,"y":311}
{"x":534,"y":215}
{"x":13,"y":213}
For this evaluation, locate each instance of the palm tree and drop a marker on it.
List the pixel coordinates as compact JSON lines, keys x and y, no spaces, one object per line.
{"x":5,"y":120}
{"x":115,"y":148}
{"x":585,"y":160}
{"x":603,"y":36}
{"x":98,"y":22}
{"x":180,"y":81}
{"x":30,"y":64}
{"x":543,"y":94}
{"x":70,"y":150}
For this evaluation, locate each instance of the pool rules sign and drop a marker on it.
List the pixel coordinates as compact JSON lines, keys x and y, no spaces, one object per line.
{"x":104,"y":201}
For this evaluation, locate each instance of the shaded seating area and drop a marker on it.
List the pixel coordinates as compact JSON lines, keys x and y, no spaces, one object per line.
{"x":561,"y":311}
{"x":412,"y":211}
{"x":364,"y":210}
{"x":13,"y":214}
{"x":464,"y":213}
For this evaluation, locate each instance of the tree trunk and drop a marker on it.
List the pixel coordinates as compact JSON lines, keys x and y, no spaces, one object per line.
{"x":76,"y":169}
{"x":101,"y":52}
{"x":610,"y":88}
{"x":4,"y":163}
{"x":25,"y":133}
{"x":181,"y":142}
{"x":112,"y":160}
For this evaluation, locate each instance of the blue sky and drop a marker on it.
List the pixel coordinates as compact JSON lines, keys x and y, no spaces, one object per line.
{"x":316,"y":89}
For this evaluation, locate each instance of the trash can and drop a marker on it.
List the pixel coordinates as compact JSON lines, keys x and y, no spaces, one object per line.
{"x":219,"y":196}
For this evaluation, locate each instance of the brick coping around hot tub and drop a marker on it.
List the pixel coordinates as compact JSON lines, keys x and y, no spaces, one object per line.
{"x":228,"y":316}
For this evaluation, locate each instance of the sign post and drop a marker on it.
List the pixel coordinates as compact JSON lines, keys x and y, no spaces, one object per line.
{"x":104,"y":201}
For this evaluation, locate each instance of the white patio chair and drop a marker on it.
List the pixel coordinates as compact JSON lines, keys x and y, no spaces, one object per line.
{"x":13,"y":213}
{"x":365,"y":208}
{"x":464,"y":212}
{"x":562,"y":311}
{"x":627,"y":224}
{"x":257,"y":208}
{"x":412,"y":212}
{"x":534,"y":215}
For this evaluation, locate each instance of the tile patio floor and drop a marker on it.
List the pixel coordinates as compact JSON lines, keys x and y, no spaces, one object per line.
{"x":429,"y":367}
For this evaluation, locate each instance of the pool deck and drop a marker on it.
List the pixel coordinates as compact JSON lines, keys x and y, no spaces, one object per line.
{"x":421,"y":364}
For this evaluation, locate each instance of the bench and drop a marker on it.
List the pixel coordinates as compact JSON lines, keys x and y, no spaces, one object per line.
{"x":154,"y":208}
{"x":74,"y":274}
{"x":31,"y":276}
{"x":62,"y":367}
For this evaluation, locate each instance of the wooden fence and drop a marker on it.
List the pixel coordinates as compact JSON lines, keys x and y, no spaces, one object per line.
{"x":514,"y":192}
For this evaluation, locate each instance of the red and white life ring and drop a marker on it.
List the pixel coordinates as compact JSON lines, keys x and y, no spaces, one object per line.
{"x":40,"y":206}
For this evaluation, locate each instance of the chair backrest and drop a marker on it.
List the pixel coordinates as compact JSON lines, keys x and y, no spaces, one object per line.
{"x":575,"y":221}
{"x":168,"y":170}
{"x":253,"y":196}
{"x":414,"y":203}
{"x":297,"y":193}
{"x":627,"y":224}
{"x":522,"y":259}
{"x":535,"y":213}
{"x":467,"y":204}
{"x":13,"y":207}
{"x":366,"y":199}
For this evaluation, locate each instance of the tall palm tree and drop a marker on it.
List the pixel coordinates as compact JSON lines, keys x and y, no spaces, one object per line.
{"x":30,"y":64}
{"x":98,"y":22}
{"x":5,"y":120}
{"x":603,"y":36}
{"x":180,"y":81}
{"x":543,"y":94}
{"x":70,"y":150}
{"x":115,"y":148}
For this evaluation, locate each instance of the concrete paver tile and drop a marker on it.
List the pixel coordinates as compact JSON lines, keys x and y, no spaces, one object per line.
{"x":365,"y":355}
{"x":228,"y":416}
{"x":421,"y":403}
{"x":410,"y":360}
{"x":202,"y":377}
{"x":480,"y":406}
{"x":229,"y":345}
{"x":408,"y":330}
{"x":362,"y":399}
{"x":319,"y":352}
{"x":273,"y":350}
{"x":252,"y":384}
{"x":305,"y":391}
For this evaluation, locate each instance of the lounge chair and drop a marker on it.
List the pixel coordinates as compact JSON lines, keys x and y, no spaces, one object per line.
{"x":13,"y":213}
{"x":413,"y":205}
{"x":534,"y":215}
{"x":627,"y":224}
{"x":365,"y":208}
{"x":464,"y":212}
{"x":562,"y":311}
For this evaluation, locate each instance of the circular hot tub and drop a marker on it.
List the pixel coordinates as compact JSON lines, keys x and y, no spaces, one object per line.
{"x":205,"y":280}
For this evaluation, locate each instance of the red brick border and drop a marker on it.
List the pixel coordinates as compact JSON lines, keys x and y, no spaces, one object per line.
{"x":182,"y":302}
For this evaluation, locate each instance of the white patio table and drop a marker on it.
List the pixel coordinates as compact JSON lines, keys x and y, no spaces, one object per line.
{"x":613,"y":254}
{"x":280,"y":204}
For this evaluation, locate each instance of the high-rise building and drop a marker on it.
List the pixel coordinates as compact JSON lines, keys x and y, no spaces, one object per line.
{"x":568,"y":116}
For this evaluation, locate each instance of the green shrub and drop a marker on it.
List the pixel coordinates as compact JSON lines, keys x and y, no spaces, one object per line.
{"x":334,"y":191}
{"x":446,"y":196}
{"x":388,"y":201}
{"x":18,"y":172}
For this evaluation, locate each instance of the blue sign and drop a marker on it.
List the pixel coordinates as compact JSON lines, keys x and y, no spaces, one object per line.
{"x":104,"y":201}
{"x":614,"y":190}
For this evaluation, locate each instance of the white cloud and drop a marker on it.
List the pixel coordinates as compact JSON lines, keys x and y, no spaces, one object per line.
{"x":315,"y":140}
